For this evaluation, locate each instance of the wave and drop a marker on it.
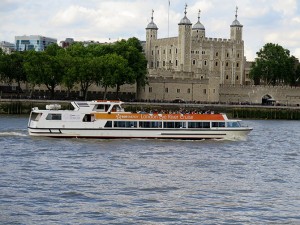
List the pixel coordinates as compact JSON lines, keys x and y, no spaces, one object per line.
{"x":12,"y":133}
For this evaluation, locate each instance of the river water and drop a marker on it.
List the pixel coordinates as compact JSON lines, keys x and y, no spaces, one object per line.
{"x":70,"y":181}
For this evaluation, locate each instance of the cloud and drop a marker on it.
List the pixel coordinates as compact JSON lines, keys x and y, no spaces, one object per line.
{"x":286,"y":7}
{"x":264,"y":20}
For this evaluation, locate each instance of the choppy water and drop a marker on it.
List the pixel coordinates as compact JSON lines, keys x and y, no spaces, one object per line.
{"x":55,"y":181}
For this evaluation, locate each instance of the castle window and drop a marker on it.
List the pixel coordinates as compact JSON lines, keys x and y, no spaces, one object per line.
{"x":166,"y":90}
{"x":205,"y":62}
{"x":238,"y":55}
{"x":227,"y":55}
{"x":157,"y":51}
{"x":217,"y":53}
{"x":216,"y":63}
{"x":203,"y":52}
{"x":226,"y":77}
{"x":176,"y":51}
{"x":237,"y":64}
{"x":164,"y":52}
{"x":214,"y":91}
{"x":164,"y":63}
{"x":194,"y":62}
{"x":152,"y":52}
{"x":201,"y":77}
{"x":204,"y":91}
{"x":170,"y":51}
{"x":157,"y":64}
{"x":150,"y":89}
{"x":178,"y":90}
{"x":176,"y":62}
{"x":152,"y":64}
{"x":237,"y":77}
{"x":188,"y":90}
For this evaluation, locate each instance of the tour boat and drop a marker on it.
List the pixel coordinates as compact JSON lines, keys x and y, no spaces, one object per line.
{"x":106,"y":119}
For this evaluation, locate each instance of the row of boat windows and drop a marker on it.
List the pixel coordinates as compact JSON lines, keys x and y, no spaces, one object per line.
{"x":155,"y":124}
{"x":158,"y":124}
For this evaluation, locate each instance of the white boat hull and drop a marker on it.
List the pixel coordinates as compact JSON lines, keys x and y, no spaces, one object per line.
{"x":108,"y":120}
{"x":192,"y":134}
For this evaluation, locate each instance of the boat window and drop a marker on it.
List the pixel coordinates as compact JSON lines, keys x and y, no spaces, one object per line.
{"x":233,"y":124}
{"x":174,"y":125}
{"x":108,"y":124}
{"x":53,"y":116}
{"x":169,"y":124}
{"x":102,"y":108}
{"x":35,"y":116}
{"x":198,"y":125}
{"x":116,"y":108}
{"x":88,"y":118}
{"x":218,"y":124}
{"x":152,"y":124}
{"x":125,"y":124}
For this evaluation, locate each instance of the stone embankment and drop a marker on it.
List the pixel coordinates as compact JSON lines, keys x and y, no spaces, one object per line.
{"x":24,"y":106}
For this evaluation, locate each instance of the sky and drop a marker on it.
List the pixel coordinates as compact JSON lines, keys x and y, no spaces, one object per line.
{"x":264,"y":21}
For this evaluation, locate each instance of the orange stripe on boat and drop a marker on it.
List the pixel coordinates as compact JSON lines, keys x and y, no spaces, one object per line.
{"x":150,"y":117}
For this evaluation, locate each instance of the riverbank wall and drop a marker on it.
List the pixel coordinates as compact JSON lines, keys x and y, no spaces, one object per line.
{"x":233,"y":111}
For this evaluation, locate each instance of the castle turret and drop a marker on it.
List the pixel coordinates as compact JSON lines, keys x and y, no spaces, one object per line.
{"x":151,"y":35}
{"x":198,"y":30}
{"x":184,"y":43}
{"x":236,"y":29}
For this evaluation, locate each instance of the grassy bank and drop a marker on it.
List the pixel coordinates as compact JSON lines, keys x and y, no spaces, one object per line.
{"x":232,"y":111}
{"x":25,"y":106}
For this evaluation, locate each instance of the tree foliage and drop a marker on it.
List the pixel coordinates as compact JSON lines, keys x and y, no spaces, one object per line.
{"x":45,"y":67}
{"x":274,"y":66}
{"x":107,"y":65}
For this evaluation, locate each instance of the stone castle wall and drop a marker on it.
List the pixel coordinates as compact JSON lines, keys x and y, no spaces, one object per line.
{"x":284,"y":95}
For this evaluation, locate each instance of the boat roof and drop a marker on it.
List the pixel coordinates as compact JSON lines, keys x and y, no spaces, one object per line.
{"x":89,"y":105}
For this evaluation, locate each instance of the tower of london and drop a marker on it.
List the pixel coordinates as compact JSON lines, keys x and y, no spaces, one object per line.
{"x":192,"y":66}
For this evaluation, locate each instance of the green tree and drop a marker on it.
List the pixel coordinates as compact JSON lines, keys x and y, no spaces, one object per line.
{"x":115,"y":72}
{"x":132,"y":51}
{"x":84,"y":68}
{"x":272,"y":65}
{"x":11,"y":68}
{"x":45,"y":68}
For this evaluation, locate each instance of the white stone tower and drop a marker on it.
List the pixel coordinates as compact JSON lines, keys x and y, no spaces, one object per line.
{"x":236,"y":29}
{"x":184,"y":43}
{"x":151,"y":35}
{"x":198,"y":30}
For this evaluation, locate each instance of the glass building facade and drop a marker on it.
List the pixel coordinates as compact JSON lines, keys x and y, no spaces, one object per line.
{"x":33,"y":42}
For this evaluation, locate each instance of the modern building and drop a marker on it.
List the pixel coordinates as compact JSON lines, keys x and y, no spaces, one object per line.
{"x":33,"y":42}
{"x":193,"y":66}
{"x":7,"y":47}
{"x":66,"y":43}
